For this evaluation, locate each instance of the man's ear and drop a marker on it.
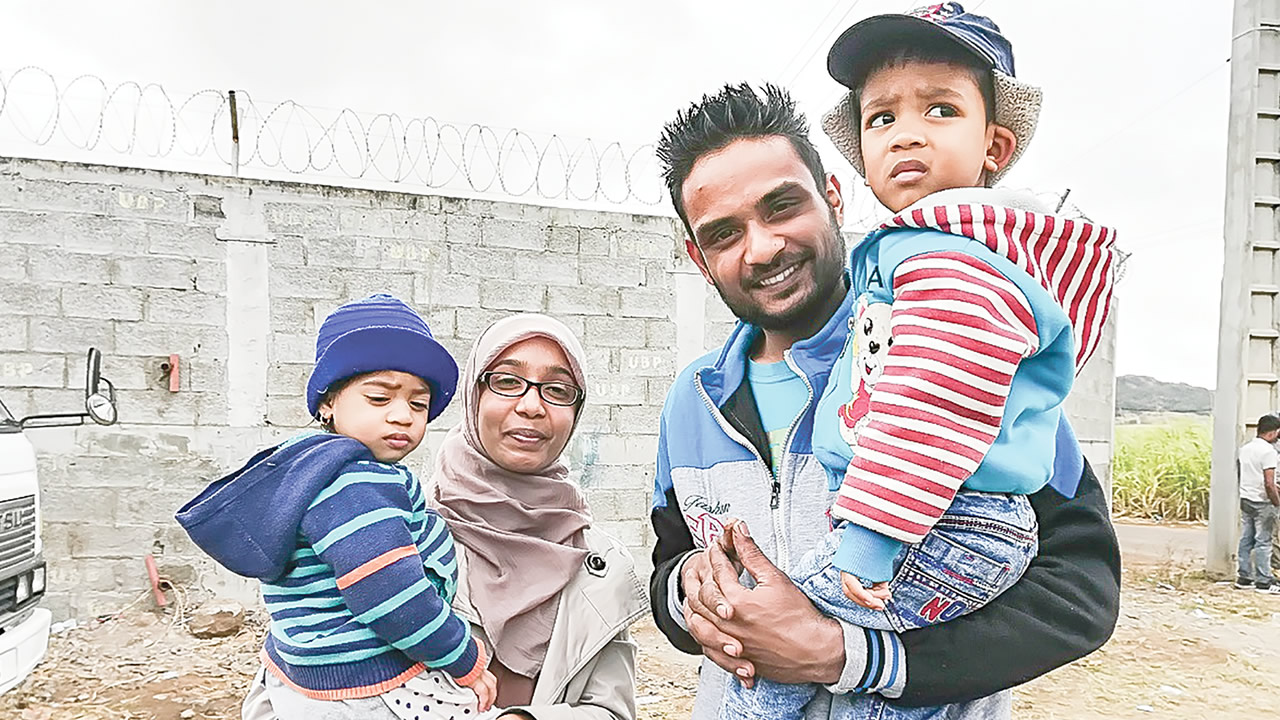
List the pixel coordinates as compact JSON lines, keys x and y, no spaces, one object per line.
{"x":835,"y":199}
{"x":1000,"y":148}
{"x":695,"y":254}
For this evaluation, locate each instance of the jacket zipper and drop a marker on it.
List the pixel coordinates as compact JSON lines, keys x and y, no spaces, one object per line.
{"x":784,"y":554}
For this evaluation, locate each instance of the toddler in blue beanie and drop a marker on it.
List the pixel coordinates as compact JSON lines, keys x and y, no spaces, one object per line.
{"x":357,"y":573}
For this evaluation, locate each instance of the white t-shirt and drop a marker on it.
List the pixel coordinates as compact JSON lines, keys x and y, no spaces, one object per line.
{"x":1256,"y":455}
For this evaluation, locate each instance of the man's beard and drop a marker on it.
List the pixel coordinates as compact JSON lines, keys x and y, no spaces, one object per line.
{"x":827,"y":281}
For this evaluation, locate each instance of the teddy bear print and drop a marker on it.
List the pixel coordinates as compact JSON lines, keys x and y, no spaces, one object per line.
{"x":869,"y":332}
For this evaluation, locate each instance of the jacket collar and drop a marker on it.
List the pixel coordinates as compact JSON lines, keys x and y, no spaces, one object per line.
{"x":814,"y":355}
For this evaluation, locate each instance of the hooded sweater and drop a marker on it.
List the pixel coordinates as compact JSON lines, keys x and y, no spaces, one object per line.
{"x":973,"y":316}
{"x":357,"y":573}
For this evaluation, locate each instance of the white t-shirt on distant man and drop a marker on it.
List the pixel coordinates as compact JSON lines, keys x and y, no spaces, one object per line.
{"x":1256,"y":455}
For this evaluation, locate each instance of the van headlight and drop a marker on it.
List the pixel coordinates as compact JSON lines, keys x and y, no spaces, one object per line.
{"x":37,"y":580}
{"x":23,"y":593}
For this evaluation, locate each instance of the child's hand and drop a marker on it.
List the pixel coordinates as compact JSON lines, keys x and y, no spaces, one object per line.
{"x":486,"y":690}
{"x":872,"y":598}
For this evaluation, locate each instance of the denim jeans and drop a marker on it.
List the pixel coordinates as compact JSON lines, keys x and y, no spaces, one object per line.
{"x":1257,"y":520}
{"x":976,"y":551}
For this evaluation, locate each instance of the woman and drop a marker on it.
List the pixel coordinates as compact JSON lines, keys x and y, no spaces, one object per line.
{"x":549,"y":596}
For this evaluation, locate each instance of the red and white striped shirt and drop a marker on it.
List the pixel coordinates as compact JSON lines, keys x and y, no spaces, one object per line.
{"x":960,"y":328}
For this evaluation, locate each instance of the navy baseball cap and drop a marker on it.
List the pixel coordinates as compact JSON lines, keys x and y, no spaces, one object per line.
{"x":858,"y":48}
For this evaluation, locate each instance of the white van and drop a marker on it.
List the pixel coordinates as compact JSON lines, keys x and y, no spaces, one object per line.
{"x":24,"y":625}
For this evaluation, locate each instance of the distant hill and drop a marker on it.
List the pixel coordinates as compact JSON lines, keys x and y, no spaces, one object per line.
{"x":1139,"y":393}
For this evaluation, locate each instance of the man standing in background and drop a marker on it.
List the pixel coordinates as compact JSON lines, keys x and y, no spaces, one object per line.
{"x":1259,"y":499}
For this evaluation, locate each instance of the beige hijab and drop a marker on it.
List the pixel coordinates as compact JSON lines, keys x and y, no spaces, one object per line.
{"x":523,"y":532}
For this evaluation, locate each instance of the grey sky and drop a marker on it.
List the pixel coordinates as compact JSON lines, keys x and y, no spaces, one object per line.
{"x":1134,"y":121}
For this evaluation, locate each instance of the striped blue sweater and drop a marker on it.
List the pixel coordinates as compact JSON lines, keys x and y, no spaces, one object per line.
{"x":356,"y":572}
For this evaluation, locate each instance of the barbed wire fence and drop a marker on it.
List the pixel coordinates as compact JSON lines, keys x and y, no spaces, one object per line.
{"x":232,"y":132}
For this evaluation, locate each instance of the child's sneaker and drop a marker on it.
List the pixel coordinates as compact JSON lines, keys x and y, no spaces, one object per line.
{"x":1267,"y":589}
{"x":1244,"y":583}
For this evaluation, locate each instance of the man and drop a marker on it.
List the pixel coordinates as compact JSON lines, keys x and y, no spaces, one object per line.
{"x":763,"y":219}
{"x":1259,"y":499}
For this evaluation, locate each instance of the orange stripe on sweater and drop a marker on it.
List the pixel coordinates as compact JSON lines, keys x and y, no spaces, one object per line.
{"x":470,"y":678}
{"x":355,"y":693}
{"x":375,"y":565}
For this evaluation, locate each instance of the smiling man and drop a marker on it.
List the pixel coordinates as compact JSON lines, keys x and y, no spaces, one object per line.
{"x":763,"y":219}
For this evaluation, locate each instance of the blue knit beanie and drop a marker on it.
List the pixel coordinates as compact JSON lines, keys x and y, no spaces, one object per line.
{"x":379,"y":333}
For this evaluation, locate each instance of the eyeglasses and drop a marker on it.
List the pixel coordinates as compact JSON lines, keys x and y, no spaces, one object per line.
{"x":555,"y":393}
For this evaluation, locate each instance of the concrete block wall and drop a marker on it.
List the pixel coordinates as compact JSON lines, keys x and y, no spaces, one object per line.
{"x":234,"y":277}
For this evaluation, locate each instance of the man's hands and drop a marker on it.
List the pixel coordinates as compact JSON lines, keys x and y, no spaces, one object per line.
{"x":771,"y":630}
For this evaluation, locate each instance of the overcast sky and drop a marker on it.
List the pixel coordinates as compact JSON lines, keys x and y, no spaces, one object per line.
{"x":1134,"y":120}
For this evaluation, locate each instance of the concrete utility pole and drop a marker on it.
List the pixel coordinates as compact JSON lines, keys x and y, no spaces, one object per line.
{"x":1248,"y":356}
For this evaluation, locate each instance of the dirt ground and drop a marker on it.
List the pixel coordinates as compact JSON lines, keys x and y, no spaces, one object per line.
{"x":1185,"y":647}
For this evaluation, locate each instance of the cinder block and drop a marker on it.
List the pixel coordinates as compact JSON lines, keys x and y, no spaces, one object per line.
{"x":287,"y":251}
{"x":582,"y":301}
{"x":161,"y":338}
{"x":657,"y":391}
{"x":149,"y":203}
{"x":496,"y":232}
{"x":626,"y":449}
{"x":614,"y":332}
{"x":443,"y":322}
{"x":616,"y":390}
{"x":481,"y":262}
{"x":647,"y":303}
{"x":306,"y":282}
{"x":473,"y":321}
{"x":515,"y":296}
{"x":596,"y":241}
{"x":635,"y":243}
{"x":187,"y":307}
{"x":301,"y":218}
{"x":295,"y":314}
{"x":462,"y":230}
{"x":647,"y":363}
{"x":563,"y":239}
{"x":160,"y":407}
{"x":364,"y":221}
{"x":32,"y":370}
{"x":23,"y":226}
{"x":547,"y":268}
{"x":447,"y":289}
{"x":362,"y":283}
{"x":636,"y":419}
{"x":155,"y":272}
{"x":292,"y":348}
{"x":111,"y":541}
{"x":15,"y":265}
{"x":13,"y":333}
{"x":53,"y":265}
{"x":612,"y":272}
{"x":23,"y":298}
{"x":102,"y":302}
{"x":62,"y":196}
{"x":106,"y":235}
{"x":331,"y":251}
{"x":187,"y":241}
{"x":287,"y":411}
{"x":288,"y":378}
{"x":418,"y":225}
{"x":211,"y":276}
{"x":660,"y":334}
{"x":71,"y":335}
{"x":68,"y":505}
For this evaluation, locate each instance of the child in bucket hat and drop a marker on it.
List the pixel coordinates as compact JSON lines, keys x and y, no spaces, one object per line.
{"x":975,"y":308}
{"x":356,"y":572}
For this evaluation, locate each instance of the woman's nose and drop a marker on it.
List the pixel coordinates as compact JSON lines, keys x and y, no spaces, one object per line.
{"x":530,"y":403}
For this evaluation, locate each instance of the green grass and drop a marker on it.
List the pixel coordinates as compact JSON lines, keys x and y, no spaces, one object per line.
{"x":1161,"y":472}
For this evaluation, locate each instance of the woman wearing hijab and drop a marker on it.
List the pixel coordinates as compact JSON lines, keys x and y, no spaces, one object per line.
{"x":549,"y":595}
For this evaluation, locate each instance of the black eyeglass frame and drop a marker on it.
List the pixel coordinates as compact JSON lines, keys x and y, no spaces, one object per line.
{"x":485,"y":381}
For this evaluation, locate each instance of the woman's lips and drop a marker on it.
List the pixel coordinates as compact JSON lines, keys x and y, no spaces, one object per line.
{"x":526,"y":436}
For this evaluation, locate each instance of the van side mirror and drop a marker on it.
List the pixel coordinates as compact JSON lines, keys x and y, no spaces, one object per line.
{"x":99,"y":393}
{"x":99,"y":401}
